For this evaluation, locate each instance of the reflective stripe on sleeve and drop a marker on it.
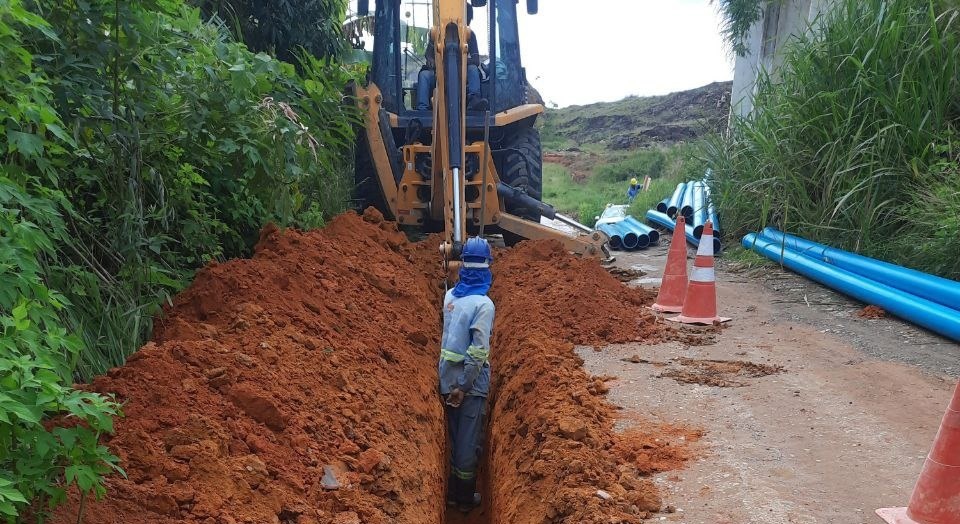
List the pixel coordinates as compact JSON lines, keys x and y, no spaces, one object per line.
{"x":480,"y":265}
{"x":478,"y":353}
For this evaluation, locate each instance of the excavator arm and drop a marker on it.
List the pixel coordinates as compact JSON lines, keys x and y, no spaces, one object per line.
{"x":429,"y":183}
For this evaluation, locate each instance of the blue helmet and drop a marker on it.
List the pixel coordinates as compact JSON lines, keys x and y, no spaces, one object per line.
{"x":476,"y":253}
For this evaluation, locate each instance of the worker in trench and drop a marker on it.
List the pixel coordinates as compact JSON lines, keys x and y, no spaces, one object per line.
{"x":468,"y":315}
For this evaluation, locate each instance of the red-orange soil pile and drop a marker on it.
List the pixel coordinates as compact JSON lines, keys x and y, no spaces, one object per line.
{"x":318,"y":353}
{"x":554,"y":456}
{"x":655,"y":448}
{"x":574,"y":299}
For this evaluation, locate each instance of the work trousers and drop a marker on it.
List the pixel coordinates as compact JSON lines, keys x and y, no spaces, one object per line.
{"x":465,"y":427}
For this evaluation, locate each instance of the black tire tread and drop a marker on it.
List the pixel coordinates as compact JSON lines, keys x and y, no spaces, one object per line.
{"x":523,"y":168}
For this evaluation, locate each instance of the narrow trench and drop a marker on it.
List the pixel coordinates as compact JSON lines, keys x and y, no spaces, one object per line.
{"x":484,"y":513}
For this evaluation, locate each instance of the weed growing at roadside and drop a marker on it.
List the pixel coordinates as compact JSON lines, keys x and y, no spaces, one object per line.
{"x":855,"y":142}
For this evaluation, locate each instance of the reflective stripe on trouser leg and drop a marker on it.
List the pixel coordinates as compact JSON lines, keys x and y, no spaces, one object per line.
{"x":465,"y":424}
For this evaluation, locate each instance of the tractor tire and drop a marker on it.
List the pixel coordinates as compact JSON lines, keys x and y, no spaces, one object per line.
{"x":522,"y":167}
{"x":366,"y":188}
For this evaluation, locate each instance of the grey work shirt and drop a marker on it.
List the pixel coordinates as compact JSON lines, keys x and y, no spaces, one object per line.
{"x":465,"y":346}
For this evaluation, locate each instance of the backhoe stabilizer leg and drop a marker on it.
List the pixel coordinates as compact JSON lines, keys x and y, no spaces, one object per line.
{"x":592,"y":244}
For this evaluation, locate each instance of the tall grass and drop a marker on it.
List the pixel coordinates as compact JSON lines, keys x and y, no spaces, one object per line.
{"x":609,"y":181}
{"x":855,"y":144}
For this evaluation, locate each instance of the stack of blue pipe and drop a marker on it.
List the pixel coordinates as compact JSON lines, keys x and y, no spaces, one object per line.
{"x":692,"y":200}
{"x":630,"y":234}
{"x":926,"y":300}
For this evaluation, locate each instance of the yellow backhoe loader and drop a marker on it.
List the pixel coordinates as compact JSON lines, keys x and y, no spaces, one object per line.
{"x":433,"y":159}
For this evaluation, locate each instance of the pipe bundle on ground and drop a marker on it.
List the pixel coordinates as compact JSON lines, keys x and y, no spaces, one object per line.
{"x":692,"y":200}
{"x":926,"y":300}
{"x":629,"y":234}
{"x":661,"y":219}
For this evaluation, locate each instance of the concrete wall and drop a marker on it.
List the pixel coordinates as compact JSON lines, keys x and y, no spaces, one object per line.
{"x":781,"y":20}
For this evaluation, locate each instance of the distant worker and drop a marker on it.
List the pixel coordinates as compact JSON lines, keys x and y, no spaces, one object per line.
{"x":633,"y":190}
{"x":427,"y":79}
{"x":465,"y":369}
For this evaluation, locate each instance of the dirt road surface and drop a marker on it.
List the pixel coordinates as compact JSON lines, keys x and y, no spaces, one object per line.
{"x":841,"y":430}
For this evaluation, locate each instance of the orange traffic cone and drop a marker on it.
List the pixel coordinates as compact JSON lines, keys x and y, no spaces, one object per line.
{"x":700,"y":304}
{"x":936,"y":497}
{"x":673,"y":286}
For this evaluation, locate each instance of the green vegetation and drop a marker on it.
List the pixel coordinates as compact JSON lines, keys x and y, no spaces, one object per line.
{"x":738,"y":17}
{"x":138,"y":143}
{"x":637,"y":122}
{"x":283,"y":27}
{"x":856,"y":143}
{"x":608,"y":143}
{"x":608,"y":185}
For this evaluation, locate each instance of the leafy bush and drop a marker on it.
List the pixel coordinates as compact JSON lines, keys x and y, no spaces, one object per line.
{"x":39,"y":458}
{"x":138,"y":143}
{"x":283,"y":27}
{"x":188,"y":148}
{"x":855,"y":143}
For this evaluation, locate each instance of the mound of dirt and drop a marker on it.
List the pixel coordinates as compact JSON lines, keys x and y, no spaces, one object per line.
{"x":299,"y":387}
{"x":554,"y":455}
{"x":572,"y":299}
{"x":269,"y":370}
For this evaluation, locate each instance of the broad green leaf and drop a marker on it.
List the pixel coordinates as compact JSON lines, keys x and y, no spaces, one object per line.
{"x":27,"y":144}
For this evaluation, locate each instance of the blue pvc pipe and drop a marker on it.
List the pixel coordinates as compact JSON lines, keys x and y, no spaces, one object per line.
{"x":643,"y":239}
{"x":616,"y":241}
{"x":660,"y":219}
{"x":673,"y":203}
{"x":917,"y":310}
{"x":686,"y":203}
{"x":651,"y":233}
{"x":712,"y":213}
{"x":628,"y":237}
{"x":940,"y":290}
{"x":630,"y":224}
{"x":662,"y":205}
{"x":700,"y":215}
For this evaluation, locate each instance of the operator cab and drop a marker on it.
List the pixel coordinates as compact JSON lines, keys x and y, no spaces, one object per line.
{"x":401,"y":32}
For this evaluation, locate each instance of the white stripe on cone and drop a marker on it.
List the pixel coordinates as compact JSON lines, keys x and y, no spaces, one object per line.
{"x":702,"y":274}
{"x":706,"y":245}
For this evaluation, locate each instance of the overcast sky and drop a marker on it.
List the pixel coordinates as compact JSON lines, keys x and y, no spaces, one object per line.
{"x":579,"y":52}
{"x":603,"y":50}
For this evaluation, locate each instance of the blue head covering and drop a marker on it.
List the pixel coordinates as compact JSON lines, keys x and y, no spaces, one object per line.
{"x":473,"y":281}
{"x":475,"y":276}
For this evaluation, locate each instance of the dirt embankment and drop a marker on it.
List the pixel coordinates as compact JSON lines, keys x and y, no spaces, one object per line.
{"x":299,"y":387}
{"x":319,"y":351}
{"x":554,"y":456}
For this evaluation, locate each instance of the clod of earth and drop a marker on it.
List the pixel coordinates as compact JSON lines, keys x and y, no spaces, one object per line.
{"x":718,"y":373}
{"x":871,"y":312}
{"x":299,"y":386}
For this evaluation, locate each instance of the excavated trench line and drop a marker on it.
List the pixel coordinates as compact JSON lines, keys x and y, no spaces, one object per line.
{"x":315,"y":361}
